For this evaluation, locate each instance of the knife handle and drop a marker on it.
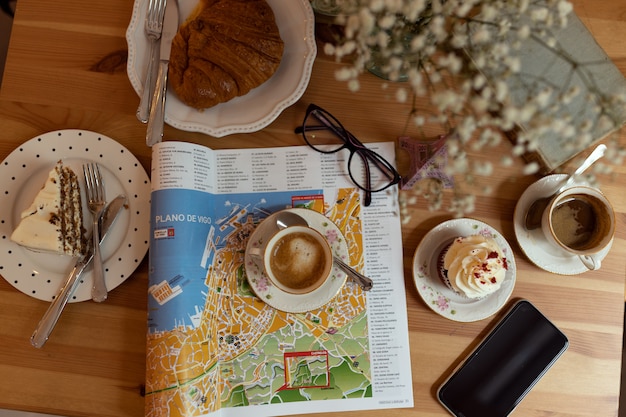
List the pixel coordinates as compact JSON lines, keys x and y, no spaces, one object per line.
{"x":50,"y":318}
{"x":143,"y":110}
{"x":154,"y":132}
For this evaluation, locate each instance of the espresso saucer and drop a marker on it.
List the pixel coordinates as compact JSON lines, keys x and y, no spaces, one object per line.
{"x":533,"y":242}
{"x":296,"y":303}
{"x":437,"y":295}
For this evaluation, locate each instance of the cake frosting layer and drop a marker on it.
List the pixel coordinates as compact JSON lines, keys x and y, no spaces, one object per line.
{"x":475,"y":266}
{"x":54,"y":220}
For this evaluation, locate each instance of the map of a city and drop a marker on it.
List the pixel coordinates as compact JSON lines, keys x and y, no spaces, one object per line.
{"x":227,"y":348}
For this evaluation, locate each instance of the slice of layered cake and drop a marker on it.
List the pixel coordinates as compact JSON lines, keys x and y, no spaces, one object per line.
{"x":54,"y":221}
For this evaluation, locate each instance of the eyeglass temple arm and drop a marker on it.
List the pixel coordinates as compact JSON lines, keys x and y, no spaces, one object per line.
{"x":363,"y":154}
{"x":302,"y":129}
{"x":325,"y":125}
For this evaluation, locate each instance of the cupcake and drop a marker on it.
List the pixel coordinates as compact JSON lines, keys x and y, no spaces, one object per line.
{"x":473,"y":266}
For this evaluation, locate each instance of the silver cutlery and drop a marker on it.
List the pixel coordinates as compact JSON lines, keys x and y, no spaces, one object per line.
{"x":154,"y":132}
{"x":96,"y":201}
{"x":288,"y":218}
{"x":153,"y":28}
{"x":51,"y":316}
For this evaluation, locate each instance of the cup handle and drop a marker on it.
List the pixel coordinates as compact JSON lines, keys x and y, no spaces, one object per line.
{"x":590,"y":262}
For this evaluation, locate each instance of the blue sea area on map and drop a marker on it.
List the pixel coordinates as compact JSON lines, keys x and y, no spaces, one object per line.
{"x":181,"y":222}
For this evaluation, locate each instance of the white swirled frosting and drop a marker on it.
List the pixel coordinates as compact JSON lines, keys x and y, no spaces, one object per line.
{"x":475,"y":266}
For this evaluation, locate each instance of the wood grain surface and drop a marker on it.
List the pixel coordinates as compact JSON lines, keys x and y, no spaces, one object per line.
{"x":66,"y":68}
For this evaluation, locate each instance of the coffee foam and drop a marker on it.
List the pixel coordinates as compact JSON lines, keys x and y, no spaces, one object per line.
{"x":298,"y":261}
{"x":305,"y":254}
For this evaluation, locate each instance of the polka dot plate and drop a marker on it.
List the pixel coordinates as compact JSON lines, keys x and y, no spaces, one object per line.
{"x":23,"y":173}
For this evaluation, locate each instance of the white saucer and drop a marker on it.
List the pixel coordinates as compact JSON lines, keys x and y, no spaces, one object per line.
{"x":533,"y":242}
{"x":297,"y":303}
{"x":437,"y":295}
{"x":22,"y":175}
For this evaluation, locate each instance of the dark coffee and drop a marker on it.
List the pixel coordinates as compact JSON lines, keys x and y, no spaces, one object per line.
{"x":580,"y":221}
{"x":299,"y":261}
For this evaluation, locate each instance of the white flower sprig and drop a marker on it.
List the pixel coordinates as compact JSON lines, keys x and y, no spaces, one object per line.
{"x":465,"y":56}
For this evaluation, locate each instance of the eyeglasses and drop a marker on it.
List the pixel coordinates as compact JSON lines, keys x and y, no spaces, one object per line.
{"x":370,"y":171}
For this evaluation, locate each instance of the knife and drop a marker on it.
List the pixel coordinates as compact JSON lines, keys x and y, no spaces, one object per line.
{"x":154,"y":133}
{"x":50,"y":318}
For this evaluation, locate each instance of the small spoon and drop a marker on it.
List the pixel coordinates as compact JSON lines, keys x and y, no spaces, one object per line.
{"x":288,"y":218}
{"x":535,"y":211}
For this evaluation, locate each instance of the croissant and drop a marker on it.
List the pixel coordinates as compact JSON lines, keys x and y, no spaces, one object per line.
{"x":226,"y":50}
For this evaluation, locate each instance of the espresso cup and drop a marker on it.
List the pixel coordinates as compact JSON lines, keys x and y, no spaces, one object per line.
{"x":297,"y":259}
{"x":581,"y":221}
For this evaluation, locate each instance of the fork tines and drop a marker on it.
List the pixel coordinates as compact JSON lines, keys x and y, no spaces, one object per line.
{"x":93,"y":179}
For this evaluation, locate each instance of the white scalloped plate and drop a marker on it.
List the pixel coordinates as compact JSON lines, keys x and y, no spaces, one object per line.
{"x":297,"y":303}
{"x":437,"y":295}
{"x":259,"y":107}
{"x":23,"y":173}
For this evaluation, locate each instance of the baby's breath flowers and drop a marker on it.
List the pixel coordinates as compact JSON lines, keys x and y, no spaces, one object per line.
{"x":467,"y":58}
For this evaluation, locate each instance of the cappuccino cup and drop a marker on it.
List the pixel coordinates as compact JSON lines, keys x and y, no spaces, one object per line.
{"x":297,"y":259}
{"x":581,"y":221}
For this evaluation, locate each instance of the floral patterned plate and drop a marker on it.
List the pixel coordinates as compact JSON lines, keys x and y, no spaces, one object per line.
{"x":436,"y":294}
{"x":296,"y":303}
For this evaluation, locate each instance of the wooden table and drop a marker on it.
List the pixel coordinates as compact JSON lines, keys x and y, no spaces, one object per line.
{"x":67,"y":69}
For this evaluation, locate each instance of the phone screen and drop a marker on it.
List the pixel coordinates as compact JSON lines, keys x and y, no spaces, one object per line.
{"x":495,"y":377}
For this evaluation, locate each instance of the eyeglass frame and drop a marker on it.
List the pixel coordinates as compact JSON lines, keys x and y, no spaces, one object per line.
{"x":352,"y":144}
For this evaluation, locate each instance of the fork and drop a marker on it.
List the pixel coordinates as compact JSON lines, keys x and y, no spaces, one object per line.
{"x":96,"y":201}
{"x":153,"y":28}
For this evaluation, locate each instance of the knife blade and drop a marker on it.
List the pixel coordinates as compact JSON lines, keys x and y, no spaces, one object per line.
{"x":154,"y":132}
{"x":51,"y":316}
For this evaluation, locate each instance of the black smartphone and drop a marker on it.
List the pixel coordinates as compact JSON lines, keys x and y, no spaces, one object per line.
{"x":507,"y":363}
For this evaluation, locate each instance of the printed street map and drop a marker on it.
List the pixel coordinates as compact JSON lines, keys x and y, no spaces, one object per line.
{"x":215,"y":347}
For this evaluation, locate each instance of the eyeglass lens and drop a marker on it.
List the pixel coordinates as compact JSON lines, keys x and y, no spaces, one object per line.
{"x":323,"y":132}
